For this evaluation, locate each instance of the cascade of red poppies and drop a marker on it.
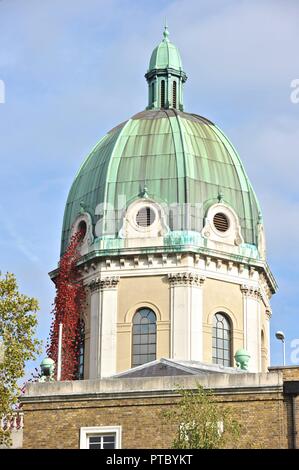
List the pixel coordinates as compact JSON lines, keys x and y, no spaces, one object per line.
{"x":69,"y":302}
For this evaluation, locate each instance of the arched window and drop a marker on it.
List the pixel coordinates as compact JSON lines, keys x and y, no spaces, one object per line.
{"x":163,"y":94}
{"x":174,"y":94}
{"x":81,"y":351}
{"x":144,"y":337}
{"x":153,"y":92}
{"x":222,"y":340}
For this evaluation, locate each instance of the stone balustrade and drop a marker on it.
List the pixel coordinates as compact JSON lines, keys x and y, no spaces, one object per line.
{"x":14,"y":422}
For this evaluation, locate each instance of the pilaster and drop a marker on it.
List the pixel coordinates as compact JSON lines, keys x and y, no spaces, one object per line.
{"x":186,"y":307}
{"x":252,"y":325}
{"x":103,"y":314}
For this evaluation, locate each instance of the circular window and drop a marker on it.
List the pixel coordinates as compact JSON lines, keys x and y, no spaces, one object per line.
{"x":145,"y":217}
{"x":221,"y":222}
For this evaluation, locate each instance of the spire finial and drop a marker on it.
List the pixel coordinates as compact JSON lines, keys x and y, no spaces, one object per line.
{"x":166,"y":32}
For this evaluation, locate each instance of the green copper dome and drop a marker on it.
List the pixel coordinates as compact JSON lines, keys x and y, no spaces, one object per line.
{"x":165,"y":55}
{"x":179,"y":157}
{"x":173,"y":158}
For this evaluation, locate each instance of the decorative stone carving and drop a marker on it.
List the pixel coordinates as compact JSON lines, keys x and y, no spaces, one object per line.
{"x":104,"y":283}
{"x":250,"y":291}
{"x":196,"y":258}
{"x":265,"y":286}
{"x":94,"y":285}
{"x":268,"y":312}
{"x":219,"y":263}
{"x":251,"y":271}
{"x":186,"y":279}
{"x":230,"y":265}
{"x":150,"y":260}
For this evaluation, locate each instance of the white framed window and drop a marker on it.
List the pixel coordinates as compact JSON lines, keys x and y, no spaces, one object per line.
{"x":100,"y":437}
{"x":222,"y":340}
{"x":144,"y":336}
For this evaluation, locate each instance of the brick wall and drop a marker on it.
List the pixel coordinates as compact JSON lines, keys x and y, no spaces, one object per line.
{"x":264,"y":419}
{"x":288,"y":372}
{"x":296,"y":412}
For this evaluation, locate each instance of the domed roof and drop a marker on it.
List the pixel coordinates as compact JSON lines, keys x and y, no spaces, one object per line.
{"x":179,"y":157}
{"x":165,"y":55}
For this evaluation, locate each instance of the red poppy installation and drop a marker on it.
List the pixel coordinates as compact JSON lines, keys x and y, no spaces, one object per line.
{"x":68,"y":303}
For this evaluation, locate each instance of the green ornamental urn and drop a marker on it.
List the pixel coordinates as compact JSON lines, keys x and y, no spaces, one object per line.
{"x":242,"y":358}
{"x":47,"y":370}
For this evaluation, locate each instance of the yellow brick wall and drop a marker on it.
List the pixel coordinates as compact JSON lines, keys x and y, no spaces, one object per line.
{"x":288,"y":373}
{"x":263,"y":417}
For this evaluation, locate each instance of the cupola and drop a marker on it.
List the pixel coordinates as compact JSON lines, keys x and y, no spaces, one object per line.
{"x":165,"y":76}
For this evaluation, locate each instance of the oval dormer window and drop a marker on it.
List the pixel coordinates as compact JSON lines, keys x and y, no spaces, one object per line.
{"x":82,"y":228}
{"x":221,"y":222}
{"x":145,"y":217}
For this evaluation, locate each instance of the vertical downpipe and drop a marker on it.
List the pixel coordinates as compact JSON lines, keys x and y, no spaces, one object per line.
{"x":59,"y":352}
{"x":294,"y":427}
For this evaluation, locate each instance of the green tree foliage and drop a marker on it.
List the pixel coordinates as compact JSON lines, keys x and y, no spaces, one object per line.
{"x":17,"y":330}
{"x":200,"y":422}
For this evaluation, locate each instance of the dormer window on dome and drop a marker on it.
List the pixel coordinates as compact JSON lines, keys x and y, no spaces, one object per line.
{"x":144,"y":218}
{"x":222,"y":226}
{"x":165,"y":76}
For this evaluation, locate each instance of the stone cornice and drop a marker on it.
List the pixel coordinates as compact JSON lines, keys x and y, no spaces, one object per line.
{"x":92,"y":397}
{"x":125,"y":255}
{"x":186,"y":279}
{"x":116,"y":387}
{"x":109,"y":282}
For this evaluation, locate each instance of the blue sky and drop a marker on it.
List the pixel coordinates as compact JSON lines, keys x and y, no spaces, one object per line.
{"x":73,"y":69}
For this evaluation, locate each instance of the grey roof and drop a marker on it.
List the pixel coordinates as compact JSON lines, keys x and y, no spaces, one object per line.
{"x":168,"y":367}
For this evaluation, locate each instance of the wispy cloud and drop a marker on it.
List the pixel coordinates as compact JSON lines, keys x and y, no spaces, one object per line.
{"x":15,"y":240}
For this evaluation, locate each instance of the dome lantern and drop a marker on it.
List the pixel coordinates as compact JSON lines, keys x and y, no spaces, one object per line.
{"x":165,"y":76}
